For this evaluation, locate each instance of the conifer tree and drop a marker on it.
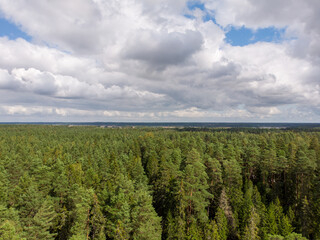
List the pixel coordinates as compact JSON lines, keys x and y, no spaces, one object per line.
{"x":306,"y":217}
{"x":145,"y":222}
{"x":214,"y":172}
{"x":196,"y":196}
{"x":118,"y":215}
{"x":171,"y":227}
{"x":222,"y":223}
{"x":97,"y":221}
{"x":8,"y":231}
{"x":251,"y":230}
{"x":271,"y":222}
{"x":4,"y":185}
{"x":285,"y":226}
{"x":232,"y":180}
{"x":42,"y":223}
{"x":82,"y":200}
{"x":10,"y":227}
{"x":212,"y":231}
{"x":224,"y":205}
{"x":295,"y":236}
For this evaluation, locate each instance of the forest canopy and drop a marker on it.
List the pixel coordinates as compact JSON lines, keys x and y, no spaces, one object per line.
{"x":60,"y":182}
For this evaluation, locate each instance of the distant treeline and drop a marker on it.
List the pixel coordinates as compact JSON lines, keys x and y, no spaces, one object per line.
{"x":60,"y":182}
{"x":200,"y":125}
{"x":249,"y":129}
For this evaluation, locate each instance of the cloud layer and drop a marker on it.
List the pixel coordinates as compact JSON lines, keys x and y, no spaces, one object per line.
{"x":158,"y":60}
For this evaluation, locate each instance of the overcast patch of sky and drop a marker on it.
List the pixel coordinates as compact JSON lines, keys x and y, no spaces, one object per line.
{"x":221,"y":60}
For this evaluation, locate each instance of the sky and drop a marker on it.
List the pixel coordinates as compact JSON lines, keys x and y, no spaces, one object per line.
{"x":160,"y":60}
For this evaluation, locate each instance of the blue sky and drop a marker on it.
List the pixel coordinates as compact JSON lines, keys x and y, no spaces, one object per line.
{"x":10,"y":30}
{"x":242,"y":36}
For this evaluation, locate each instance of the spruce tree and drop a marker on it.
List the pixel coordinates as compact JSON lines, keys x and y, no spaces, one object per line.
{"x":196,"y":196}
{"x":251,"y":230}
{"x":8,"y":231}
{"x":145,"y":222}
{"x":42,"y":223}
{"x":222,"y":223}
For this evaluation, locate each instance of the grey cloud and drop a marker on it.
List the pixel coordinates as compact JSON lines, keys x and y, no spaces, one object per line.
{"x":34,"y":85}
{"x":23,"y":54}
{"x":300,"y":18}
{"x":140,"y":60}
{"x":7,"y":81}
{"x":162,"y":49}
{"x":70,"y":23}
{"x":35,"y":81}
{"x":259,"y":14}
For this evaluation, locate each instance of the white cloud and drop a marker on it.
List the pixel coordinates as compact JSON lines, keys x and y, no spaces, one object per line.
{"x":300,"y":18}
{"x":145,"y":60}
{"x":163,"y":48}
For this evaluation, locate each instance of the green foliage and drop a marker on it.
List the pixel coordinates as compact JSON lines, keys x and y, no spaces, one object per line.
{"x":275,"y":237}
{"x":8,"y":231}
{"x":251,"y":230}
{"x":196,"y":196}
{"x":224,"y":206}
{"x":212,"y":231}
{"x":222,"y":223}
{"x":42,"y":222}
{"x":295,"y":236}
{"x":59,"y":182}
{"x":145,"y":222}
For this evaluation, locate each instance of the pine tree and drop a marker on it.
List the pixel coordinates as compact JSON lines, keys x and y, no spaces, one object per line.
{"x":251,"y":231}
{"x":82,"y":200}
{"x":118,"y":210}
{"x":165,"y":187}
{"x":194,"y":232}
{"x":278,"y":214}
{"x":60,"y":181}
{"x":261,"y":211}
{"x":195,"y":185}
{"x":75,"y":174}
{"x":145,"y":222}
{"x":10,"y":227}
{"x":214,"y":172}
{"x":232,"y":180}
{"x":212,"y":231}
{"x":306,"y":217}
{"x":224,"y":205}
{"x":247,"y":206}
{"x":316,"y":223}
{"x":42,"y":222}
{"x":271,"y":223}
{"x":171,"y":227}
{"x":29,"y":203}
{"x":97,"y":221}
{"x":4,"y":185}
{"x":295,"y":236}
{"x":275,"y":237}
{"x":286,"y":227}
{"x":8,"y":231}
{"x":222,"y":223}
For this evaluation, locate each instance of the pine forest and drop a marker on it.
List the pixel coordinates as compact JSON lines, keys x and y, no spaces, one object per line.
{"x":86,"y":182}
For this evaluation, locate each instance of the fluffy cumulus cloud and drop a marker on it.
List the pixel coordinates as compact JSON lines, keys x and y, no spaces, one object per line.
{"x":130,"y":60}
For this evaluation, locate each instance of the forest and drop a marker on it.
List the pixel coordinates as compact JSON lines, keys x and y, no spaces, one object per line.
{"x":87,"y":182}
